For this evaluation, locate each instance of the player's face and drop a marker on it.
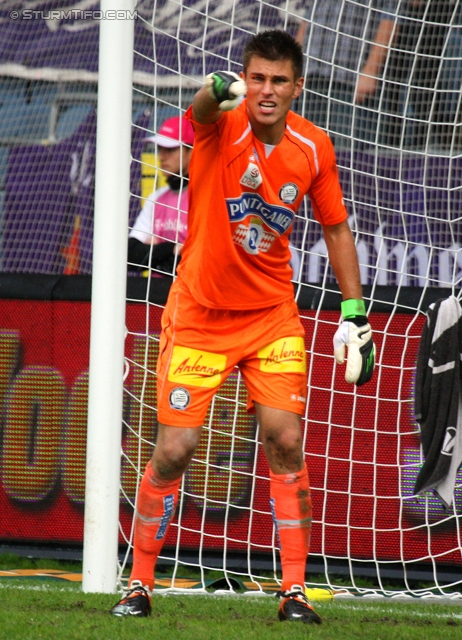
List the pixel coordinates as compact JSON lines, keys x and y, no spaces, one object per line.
{"x":271,"y":87}
{"x":174,"y":160}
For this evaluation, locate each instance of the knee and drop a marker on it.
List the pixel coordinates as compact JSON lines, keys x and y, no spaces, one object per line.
{"x":170,"y":460}
{"x":287,"y":442}
{"x":284,"y":445}
{"x":173,"y":451}
{"x":169,"y":464}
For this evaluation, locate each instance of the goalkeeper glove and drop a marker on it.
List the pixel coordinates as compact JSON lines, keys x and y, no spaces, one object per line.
{"x":227,"y":88}
{"x":355,"y":333}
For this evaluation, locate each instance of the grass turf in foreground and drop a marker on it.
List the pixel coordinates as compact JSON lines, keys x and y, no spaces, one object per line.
{"x":33,"y":609}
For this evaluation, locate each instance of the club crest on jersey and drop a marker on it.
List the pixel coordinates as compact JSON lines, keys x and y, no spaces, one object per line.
{"x":288,"y":193}
{"x":252,"y":176}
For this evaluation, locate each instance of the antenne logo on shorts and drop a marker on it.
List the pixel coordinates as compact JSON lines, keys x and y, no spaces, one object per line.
{"x":196,"y":368}
{"x":284,"y":355}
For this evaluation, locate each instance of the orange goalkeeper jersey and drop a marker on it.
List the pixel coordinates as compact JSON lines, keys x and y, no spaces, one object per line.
{"x":243,"y":197}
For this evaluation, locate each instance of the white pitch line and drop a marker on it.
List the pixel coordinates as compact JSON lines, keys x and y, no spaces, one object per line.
{"x":410,"y":612}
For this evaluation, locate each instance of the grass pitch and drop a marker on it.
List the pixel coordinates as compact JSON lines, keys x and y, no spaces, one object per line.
{"x":32,"y":609}
{"x":55,"y":609}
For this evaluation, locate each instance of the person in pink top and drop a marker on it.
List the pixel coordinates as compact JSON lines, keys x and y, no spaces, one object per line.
{"x":159,"y":231}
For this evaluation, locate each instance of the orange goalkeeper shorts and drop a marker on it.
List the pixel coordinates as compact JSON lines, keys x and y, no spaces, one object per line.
{"x":199,"y":347}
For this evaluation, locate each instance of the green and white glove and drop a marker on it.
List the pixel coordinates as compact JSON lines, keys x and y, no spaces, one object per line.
{"x":355,"y":333}
{"x":227,"y":88}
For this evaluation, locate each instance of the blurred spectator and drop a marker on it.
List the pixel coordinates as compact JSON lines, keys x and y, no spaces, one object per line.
{"x":425,"y":71}
{"x":159,"y":231}
{"x":429,"y":30}
{"x":346,"y":44}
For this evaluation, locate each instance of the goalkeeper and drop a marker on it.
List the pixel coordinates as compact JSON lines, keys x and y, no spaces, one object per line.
{"x":233,"y":302}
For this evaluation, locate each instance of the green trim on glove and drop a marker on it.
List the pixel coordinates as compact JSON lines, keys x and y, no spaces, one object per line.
{"x":352,"y":307}
{"x":227,"y":88}
{"x":221,"y":84}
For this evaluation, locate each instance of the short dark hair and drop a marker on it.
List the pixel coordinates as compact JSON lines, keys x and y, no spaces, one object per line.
{"x":274,"y":45}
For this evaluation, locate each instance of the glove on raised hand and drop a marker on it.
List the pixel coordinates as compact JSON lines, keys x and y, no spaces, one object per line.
{"x":227,"y":88}
{"x":355,"y":333}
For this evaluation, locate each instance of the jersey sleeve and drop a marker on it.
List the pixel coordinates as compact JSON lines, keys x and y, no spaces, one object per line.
{"x":326,"y":192}
{"x":203,"y":133}
{"x":218,"y":135}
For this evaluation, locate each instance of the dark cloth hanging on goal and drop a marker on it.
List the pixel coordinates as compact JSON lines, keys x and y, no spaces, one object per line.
{"x":438,"y":399}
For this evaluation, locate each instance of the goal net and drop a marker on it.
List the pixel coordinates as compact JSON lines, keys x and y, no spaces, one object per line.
{"x":399,"y":156}
{"x":399,"y":149}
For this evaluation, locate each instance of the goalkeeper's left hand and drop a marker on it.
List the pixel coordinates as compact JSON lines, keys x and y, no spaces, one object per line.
{"x":355,"y":333}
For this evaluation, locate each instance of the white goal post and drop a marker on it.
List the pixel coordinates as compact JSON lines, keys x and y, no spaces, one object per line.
{"x":112,"y":185}
{"x":400,"y":166}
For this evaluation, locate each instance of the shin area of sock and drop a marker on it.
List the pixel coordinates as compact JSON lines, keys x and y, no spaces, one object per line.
{"x":155,"y":508}
{"x":292,"y":514}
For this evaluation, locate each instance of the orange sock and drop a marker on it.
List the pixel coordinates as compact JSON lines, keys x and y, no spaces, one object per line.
{"x":155,"y":508}
{"x":291,"y":508}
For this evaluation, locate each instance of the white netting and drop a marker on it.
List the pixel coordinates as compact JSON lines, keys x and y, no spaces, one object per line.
{"x":400,"y":165}
{"x":400,"y":169}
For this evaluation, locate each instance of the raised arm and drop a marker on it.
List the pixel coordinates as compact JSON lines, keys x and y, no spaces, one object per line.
{"x":301,"y":32}
{"x":223,"y":91}
{"x":205,"y":108}
{"x":369,"y":76}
